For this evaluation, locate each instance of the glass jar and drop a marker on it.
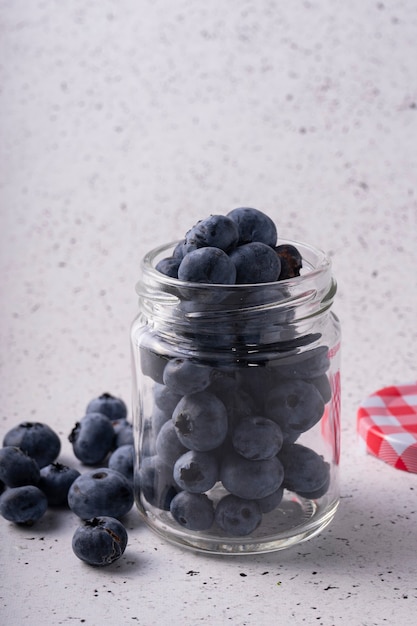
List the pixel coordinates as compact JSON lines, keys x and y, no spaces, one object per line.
{"x":236,"y":408}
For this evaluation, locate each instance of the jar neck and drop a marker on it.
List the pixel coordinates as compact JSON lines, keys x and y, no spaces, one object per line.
{"x":270,"y":310}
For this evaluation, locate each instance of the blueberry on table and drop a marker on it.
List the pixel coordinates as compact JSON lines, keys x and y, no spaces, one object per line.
{"x":208,"y":266}
{"x":100,"y":541}
{"x":156,"y":483}
{"x":38,"y":440}
{"x":184,"y":376}
{"x":215,"y":231}
{"x":114,"y":408}
{"x":92,"y":438}
{"x":201,"y":421}
{"x":196,"y":472}
{"x":254,"y":225}
{"x":251,"y":480}
{"x":193,"y":511}
{"x":17,"y":468}
{"x":255,"y":262}
{"x":305,"y":472}
{"x":236,"y":516}
{"x":291,"y":261}
{"x":101,"y":491}
{"x":23,"y":505}
{"x":257,"y":438}
{"x":122,"y":460}
{"x":55,"y":481}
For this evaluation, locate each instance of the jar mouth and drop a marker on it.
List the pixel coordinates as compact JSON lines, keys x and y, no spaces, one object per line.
{"x":315,"y":263}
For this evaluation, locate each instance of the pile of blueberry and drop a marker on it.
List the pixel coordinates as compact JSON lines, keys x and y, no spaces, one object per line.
{"x":32,"y":478}
{"x":219,"y":443}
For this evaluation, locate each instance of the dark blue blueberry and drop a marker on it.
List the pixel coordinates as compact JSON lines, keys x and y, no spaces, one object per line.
{"x":55,"y":481}
{"x":169,"y":266}
{"x":291,"y":261}
{"x":123,"y":431}
{"x":101,"y":491}
{"x":196,"y":471}
{"x":295,"y":405}
{"x":168,"y":447}
{"x":92,"y":438}
{"x":165,"y":398}
{"x":209,"y":266}
{"x":257,"y":438}
{"x":122,"y":460}
{"x":193,"y":511}
{"x":255,"y":263}
{"x":17,"y":468}
{"x":305,"y":472}
{"x":309,"y":364}
{"x":237,"y":517}
{"x":23,"y":505}
{"x":184,"y":376}
{"x":323,"y":385}
{"x":254,"y":225}
{"x":100,"y":541}
{"x":38,"y":440}
{"x":251,"y":479}
{"x":215,"y":231}
{"x":156,"y":483}
{"x":269,"y":503}
{"x":201,"y":421}
{"x":158,"y":418}
{"x":114,"y":408}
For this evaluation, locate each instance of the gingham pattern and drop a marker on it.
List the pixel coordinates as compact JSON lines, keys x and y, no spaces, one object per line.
{"x":387,"y":426}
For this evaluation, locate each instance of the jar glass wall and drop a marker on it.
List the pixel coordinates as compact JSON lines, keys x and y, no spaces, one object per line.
{"x":236,"y":408}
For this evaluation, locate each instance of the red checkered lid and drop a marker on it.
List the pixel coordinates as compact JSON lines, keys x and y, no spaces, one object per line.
{"x":387,"y":425}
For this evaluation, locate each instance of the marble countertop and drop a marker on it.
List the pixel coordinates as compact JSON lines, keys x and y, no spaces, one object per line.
{"x":122,"y":123}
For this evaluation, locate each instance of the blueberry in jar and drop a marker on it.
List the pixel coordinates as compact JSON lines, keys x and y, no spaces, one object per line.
{"x":236,"y":516}
{"x":194,"y":511}
{"x":196,"y":472}
{"x":200,"y":420}
{"x":254,"y":225}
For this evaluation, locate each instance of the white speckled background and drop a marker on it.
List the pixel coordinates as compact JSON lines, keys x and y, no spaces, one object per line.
{"x":121,"y":124}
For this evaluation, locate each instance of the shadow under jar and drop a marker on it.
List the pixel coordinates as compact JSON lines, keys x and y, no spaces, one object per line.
{"x":236,"y":400}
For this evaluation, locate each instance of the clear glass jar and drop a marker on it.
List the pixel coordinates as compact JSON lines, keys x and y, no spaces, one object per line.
{"x":236,"y":408}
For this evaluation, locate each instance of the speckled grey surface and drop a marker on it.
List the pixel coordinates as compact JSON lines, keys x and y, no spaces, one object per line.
{"x":122,"y":123}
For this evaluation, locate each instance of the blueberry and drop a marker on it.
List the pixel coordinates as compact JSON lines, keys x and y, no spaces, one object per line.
{"x":17,"y":468}
{"x":201,"y":421}
{"x":55,"y":481}
{"x":237,"y":517}
{"x":23,"y":505}
{"x":38,"y":440}
{"x":257,"y":437}
{"x":100,"y":541}
{"x":196,"y":472}
{"x":309,"y":364}
{"x":114,"y":408}
{"x":122,"y":460}
{"x":169,"y":266}
{"x":165,"y":398}
{"x":101,"y":491}
{"x":269,"y":503}
{"x":184,"y":376}
{"x":215,"y":231}
{"x":291,"y":261}
{"x":255,"y":263}
{"x":251,"y":479}
{"x":168,"y":447}
{"x":123,"y":433}
{"x":254,"y":225}
{"x":208,"y":266}
{"x":92,"y":438}
{"x":305,"y":472}
{"x":323,"y":385}
{"x":193,"y":511}
{"x":156,"y":483}
{"x":296,"y":405}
